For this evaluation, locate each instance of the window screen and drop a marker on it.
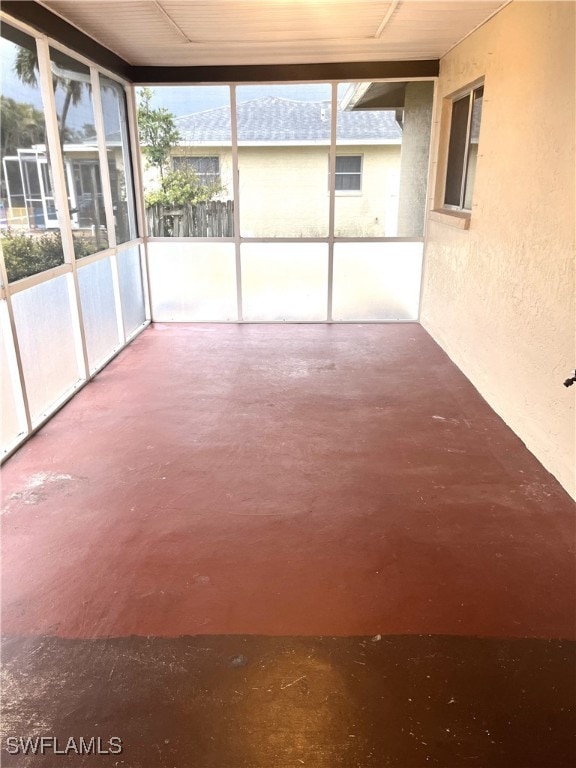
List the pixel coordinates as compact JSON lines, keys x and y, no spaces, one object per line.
{"x":207,"y":169}
{"x":348,"y":173}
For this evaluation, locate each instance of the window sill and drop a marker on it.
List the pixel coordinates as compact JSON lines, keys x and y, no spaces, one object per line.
{"x":457,"y":219}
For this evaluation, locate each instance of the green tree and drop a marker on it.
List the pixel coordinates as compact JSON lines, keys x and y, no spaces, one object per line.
{"x":21,"y":125}
{"x":26,"y":67}
{"x":157,"y":132}
{"x":181,"y":187}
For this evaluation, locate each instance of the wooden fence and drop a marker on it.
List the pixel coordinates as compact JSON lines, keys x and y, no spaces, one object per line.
{"x":209,"y":219}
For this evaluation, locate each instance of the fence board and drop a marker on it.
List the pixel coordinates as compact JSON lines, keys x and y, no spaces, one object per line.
{"x":213,"y":218}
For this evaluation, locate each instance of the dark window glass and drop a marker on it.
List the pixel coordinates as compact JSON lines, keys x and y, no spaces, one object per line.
{"x":32,"y":178}
{"x":463,"y":149}
{"x":457,"y":151}
{"x":348,"y":173}
{"x":13,"y":179}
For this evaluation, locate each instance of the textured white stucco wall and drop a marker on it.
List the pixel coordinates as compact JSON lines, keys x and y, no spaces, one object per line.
{"x":499,"y":297}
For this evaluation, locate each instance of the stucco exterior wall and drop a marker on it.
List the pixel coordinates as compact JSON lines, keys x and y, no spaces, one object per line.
{"x":414,"y":158}
{"x":284,"y":190}
{"x":499,"y":297}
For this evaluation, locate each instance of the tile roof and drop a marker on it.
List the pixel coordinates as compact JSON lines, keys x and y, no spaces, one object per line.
{"x":272,"y":119}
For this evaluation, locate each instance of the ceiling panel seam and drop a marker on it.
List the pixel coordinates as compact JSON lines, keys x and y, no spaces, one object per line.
{"x":387,"y":18}
{"x":170,"y":20}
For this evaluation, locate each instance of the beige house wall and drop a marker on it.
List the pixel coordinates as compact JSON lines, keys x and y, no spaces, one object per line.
{"x":499,"y":297}
{"x":284,"y":190}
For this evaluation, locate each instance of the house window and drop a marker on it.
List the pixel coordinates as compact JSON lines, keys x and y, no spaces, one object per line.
{"x":348,"y":173}
{"x":463,"y":149}
{"x":207,"y":169}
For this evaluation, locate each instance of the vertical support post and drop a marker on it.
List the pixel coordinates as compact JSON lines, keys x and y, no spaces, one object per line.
{"x":103,"y":156}
{"x":430,"y":189}
{"x":236,"y":193}
{"x":19,"y":367}
{"x":61,"y":199}
{"x":136,"y":160}
{"x":332,"y":201}
{"x":108,"y":203}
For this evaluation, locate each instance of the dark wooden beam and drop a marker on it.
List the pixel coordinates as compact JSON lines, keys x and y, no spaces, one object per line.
{"x":260,"y":73}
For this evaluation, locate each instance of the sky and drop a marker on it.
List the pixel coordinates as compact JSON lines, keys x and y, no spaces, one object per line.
{"x":14,"y":88}
{"x":185,"y":100}
{"x":180,"y":100}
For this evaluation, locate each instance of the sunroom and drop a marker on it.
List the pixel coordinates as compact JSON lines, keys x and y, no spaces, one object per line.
{"x":287,"y":328}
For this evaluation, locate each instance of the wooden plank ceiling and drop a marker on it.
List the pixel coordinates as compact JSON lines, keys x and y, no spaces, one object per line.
{"x":219,"y":32}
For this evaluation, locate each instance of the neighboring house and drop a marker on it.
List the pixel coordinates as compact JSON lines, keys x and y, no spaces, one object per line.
{"x":29,"y":189}
{"x":283,"y":158}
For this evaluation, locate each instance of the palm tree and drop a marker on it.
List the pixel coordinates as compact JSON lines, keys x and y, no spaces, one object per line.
{"x":26,"y":68}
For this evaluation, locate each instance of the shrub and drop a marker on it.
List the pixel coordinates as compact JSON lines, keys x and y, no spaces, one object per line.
{"x":182,"y":187}
{"x":26,"y":255}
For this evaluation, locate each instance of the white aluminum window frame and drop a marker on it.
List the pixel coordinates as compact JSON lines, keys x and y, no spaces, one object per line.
{"x":334,"y":148}
{"x":71,"y":265}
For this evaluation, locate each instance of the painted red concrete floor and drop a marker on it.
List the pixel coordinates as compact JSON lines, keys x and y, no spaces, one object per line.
{"x":232,"y":701}
{"x":276,"y":546}
{"x":301,"y":480}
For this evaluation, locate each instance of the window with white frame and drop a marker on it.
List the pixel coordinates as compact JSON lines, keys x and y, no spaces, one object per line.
{"x":463,"y":149}
{"x":207,"y":169}
{"x":60,"y":321}
{"x":348,"y":176}
{"x":28,"y":219}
